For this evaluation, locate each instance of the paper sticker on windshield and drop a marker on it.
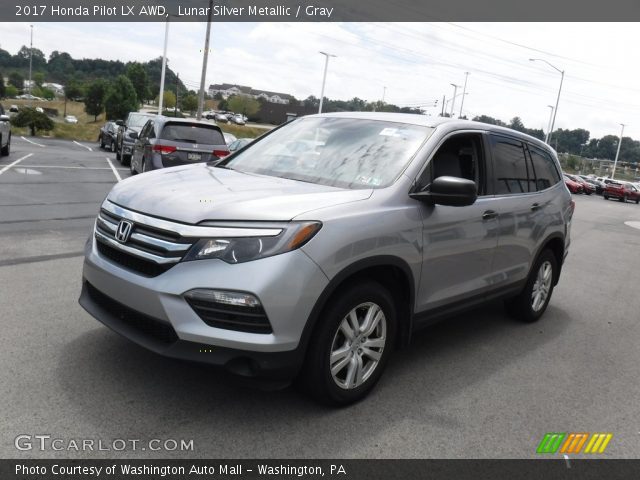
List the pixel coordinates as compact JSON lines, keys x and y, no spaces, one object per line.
{"x":389,"y":132}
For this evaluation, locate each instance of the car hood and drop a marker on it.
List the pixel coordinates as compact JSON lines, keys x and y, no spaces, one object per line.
{"x":195,"y":193}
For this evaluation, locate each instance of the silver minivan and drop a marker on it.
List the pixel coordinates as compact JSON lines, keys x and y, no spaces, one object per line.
{"x":317,"y":250}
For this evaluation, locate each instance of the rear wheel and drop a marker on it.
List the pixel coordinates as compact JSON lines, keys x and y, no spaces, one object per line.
{"x":4,"y":151}
{"x":119,"y":156}
{"x":113,"y":146}
{"x":606,"y":197}
{"x":623,"y":199}
{"x":351,"y":345}
{"x":102,"y":145}
{"x":532,"y":302}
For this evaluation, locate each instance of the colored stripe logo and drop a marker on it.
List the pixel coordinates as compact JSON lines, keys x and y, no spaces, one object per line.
{"x":574,"y":442}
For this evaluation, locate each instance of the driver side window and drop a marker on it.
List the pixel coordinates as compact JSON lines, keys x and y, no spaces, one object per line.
{"x":461,"y":155}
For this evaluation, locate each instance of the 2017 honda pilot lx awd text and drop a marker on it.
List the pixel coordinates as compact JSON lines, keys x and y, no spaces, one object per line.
{"x":317,"y":250}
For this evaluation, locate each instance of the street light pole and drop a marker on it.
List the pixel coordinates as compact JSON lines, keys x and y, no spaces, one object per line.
{"x":30,"y":65}
{"x":546,"y":137}
{"x":384,"y":93}
{"x":464,"y":90}
{"x":324,"y":78}
{"x":205,"y":60}
{"x":615,"y":162}
{"x":555,"y":111}
{"x":164,"y":67}
{"x":453,"y":99}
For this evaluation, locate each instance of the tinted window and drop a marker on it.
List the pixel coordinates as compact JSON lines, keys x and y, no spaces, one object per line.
{"x":137,"y":120}
{"x":193,"y":133}
{"x":510,"y":167}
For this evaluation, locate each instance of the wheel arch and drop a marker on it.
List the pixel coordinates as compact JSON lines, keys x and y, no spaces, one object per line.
{"x":556,"y":243}
{"x":391,"y":272}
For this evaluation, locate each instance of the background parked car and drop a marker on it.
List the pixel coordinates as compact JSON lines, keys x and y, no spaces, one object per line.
{"x":127,"y":134}
{"x":599,"y":186}
{"x":572,"y":185}
{"x":239,"y":143}
{"x":5,"y":133}
{"x":108,"y":136}
{"x":237,"y":119}
{"x":587,"y":188}
{"x":70,"y":119}
{"x":622,"y":191}
{"x":221,"y":117}
{"x":13,"y":108}
{"x":169,"y":142}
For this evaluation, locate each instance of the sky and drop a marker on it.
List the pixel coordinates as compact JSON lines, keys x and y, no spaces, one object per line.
{"x":416,"y":62}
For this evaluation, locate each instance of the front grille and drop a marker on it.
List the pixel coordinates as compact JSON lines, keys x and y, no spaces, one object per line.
{"x":149,"y":250}
{"x":230,"y":317}
{"x":131,"y":262}
{"x":149,"y":326}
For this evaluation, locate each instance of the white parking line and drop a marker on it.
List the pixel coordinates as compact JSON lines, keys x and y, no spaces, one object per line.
{"x":71,"y":167}
{"x":115,"y":172}
{"x":14,"y":163}
{"x":88,"y":148}
{"x":34,"y":143}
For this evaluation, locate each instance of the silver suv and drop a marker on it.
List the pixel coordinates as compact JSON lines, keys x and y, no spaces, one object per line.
{"x":318,"y":249}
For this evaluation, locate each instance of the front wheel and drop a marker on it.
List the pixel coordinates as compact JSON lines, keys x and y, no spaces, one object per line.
{"x":351,"y":345}
{"x":606,"y":197}
{"x":532,"y":302}
{"x":623,"y":199}
{"x":6,"y":150}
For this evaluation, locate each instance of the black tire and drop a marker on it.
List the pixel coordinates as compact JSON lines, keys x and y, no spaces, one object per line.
{"x":118,"y":156}
{"x":606,"y":197}
{"x":112,"y":147}
{"x":102,"y":145}
{"x":521,"y":307}
{"x":6,"y":150}
{"x":637,"y":200}
{"x":623,"y":199}
{"x":316,"y":377}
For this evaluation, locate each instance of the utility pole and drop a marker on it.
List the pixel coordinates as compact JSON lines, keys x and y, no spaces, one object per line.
{"x":546,"y":137}
{"x":205,"y":59}
{"x":615,"y":162}
{"x":555,"y":111}
{"x":444,"y":100}
{"x":384,"y":93}
{"x":175,"y":111}
{"x":464,"y":92}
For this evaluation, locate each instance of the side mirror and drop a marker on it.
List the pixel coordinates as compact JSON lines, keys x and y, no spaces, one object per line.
{"x":4,"y":118}
{"x":451,"y":191}
{"x":120,"y":123}
{"x":133,"y":135}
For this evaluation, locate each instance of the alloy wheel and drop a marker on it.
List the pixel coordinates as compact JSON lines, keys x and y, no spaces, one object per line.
{"x":541,"y":286}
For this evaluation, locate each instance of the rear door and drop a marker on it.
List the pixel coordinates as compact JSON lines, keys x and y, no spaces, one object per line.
{"x":523,"y":204}
{"x":181,"y":143}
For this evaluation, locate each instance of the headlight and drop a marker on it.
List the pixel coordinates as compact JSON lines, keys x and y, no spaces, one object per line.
{"x":245,"y":249}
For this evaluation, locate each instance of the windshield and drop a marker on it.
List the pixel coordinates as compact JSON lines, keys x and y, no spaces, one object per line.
{"x":340,"y":152}
{"x":138,"y":120}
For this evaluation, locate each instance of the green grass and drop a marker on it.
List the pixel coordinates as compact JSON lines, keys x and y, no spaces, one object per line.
{"x":243,"y":131}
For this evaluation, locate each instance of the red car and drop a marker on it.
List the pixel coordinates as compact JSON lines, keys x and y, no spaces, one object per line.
{"x":587,"y":188}
{"x":572,"y":185}
{"x":621,"y":191}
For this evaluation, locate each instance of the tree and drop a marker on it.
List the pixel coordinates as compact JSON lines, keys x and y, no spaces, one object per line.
{"x":169,"y":99}
{"x":3,"y":89}
{"x":72,"y":90}
{"x":190,"y":103}
{"x":94,"y":99}
{"x":44,"y":92}
{"x":11,"y":91}
{"x":16,"y":80}
{"x":489,"y":120}
{"x":120,"y":98}
{"x":38,"y":78}
{"x":244,"y":104}
{"x":516,"y":124}
{"x":29,"y":117}
{"x":139,"y":79}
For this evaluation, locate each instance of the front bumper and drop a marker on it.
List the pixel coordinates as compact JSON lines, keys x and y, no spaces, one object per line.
{"x":153,"y":312}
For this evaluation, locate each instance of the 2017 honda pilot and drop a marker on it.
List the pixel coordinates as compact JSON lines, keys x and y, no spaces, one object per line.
{"x":318,"y":249}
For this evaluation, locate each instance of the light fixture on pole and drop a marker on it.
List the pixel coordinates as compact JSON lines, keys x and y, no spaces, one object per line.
{"x":615,"y":162}
{"x":205,"y":60}
{"x":164,"y":67}
{"x":453,"y":99}
{"x":546,"y":137}
{"x":324,"y":77}
{"x":464,"y":90}
{"x":555,"y":111}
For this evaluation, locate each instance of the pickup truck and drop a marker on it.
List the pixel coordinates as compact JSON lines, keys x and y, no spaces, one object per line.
{"x":5,"y":133}
{"x":621,"y":191}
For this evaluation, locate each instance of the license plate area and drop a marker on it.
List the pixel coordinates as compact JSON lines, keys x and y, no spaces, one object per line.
{"x":194,"y":157}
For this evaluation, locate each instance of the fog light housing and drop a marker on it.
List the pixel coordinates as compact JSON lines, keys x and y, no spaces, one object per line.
{"x":229,"y":310}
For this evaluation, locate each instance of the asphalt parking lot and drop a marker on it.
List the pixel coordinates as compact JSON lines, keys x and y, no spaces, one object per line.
{"x":476,"y":386}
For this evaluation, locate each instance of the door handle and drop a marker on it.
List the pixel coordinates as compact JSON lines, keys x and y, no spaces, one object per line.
{"x":489,"y":214}
{"x":535,"y":206}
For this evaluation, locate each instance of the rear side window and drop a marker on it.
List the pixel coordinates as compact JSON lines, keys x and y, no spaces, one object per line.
{"x":544,"y":168}
{"x":511,"y":172}
{"x":192,"y":133}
